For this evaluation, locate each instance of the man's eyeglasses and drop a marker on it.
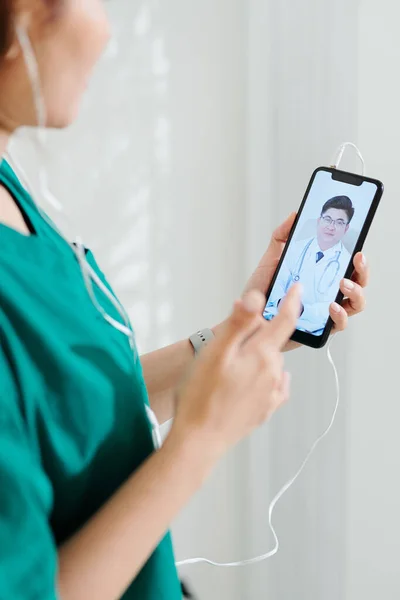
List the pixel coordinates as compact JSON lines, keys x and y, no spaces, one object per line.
{"x":339,"y":223}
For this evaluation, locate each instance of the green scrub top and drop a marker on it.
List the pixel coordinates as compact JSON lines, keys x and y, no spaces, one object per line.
{"x":73,"y":425}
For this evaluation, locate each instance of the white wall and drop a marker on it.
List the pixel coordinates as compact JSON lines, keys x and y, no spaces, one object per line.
{"x":373,"y":519}
{"x":322,"y":73}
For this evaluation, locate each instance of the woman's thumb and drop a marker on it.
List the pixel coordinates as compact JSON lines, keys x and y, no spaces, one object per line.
{"x":245,"y":319}
{"x":254,"y":302}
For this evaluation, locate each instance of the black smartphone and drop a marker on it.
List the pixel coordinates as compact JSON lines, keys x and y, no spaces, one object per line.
{"x":331,"y":226}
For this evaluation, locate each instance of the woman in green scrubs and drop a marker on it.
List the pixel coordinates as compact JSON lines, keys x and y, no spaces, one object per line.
{"x":85,"y":501}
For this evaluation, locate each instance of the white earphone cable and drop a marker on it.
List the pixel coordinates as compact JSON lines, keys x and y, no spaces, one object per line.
{"x":262,"y":557}
{"x":242,"y":563}
{"x":339,"y":155}
{"x":89,"y":274}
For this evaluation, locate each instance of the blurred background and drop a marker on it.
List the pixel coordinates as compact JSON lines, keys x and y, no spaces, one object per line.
{"x":198,"y":136}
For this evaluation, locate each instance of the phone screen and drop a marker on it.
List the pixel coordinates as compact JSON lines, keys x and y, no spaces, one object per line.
{"x":321,"y":247}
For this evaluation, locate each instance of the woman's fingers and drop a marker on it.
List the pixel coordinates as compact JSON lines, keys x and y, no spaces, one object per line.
{"x":284,"y":324}
{"x":244,"y":322}
{"x":281,"y":233}
{"x":361,"y":270}
{"x":339,"y":316}
{"x":286,"y":381}
{"x":353,"y":291}
{"x":355,"y":299}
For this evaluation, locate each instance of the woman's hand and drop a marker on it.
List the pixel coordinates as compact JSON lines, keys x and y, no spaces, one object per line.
{"x":353,"y":290}
{"x":239,"y":380}
{"x":237,"y":383}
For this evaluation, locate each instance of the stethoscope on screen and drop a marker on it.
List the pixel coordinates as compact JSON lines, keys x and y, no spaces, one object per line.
{"x":91,"y":279}
{"x":333,"y":267}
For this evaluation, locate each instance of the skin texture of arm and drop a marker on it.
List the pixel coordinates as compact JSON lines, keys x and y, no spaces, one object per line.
{"x":164,"y":370}
{"x":103,"y":558}
{"x":236,"y":384}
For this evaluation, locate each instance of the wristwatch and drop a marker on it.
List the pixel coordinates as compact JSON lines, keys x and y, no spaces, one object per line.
{"x":201,"y":339}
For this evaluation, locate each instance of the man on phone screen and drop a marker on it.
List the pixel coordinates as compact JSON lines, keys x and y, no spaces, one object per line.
{"x":318,"y":264}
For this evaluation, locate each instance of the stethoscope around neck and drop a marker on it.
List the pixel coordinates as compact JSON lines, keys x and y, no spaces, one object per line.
{"x":333,"y":267}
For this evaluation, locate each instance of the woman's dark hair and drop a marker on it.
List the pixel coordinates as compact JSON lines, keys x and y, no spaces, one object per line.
{"x":339,"y":202}
{"x":6,"y":16}
{"x":5,"y":20}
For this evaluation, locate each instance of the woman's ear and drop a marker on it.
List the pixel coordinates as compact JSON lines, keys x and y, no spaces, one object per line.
{"x":22,"y":19}
{"x":13,"y":51}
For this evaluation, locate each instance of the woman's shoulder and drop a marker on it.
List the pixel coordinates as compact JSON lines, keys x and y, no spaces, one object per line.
{"x":6,"y":172}
{"x":10,"y":180}
{"x":9,"y":177}
{"x":297,"y":247}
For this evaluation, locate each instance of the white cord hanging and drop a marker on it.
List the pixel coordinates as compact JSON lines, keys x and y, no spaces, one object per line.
{"x":262,"y":557}
{"x":339,"y":155}
{"x":90,"y":276}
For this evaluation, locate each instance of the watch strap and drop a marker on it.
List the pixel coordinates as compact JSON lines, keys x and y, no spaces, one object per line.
{"x":200,"y":339}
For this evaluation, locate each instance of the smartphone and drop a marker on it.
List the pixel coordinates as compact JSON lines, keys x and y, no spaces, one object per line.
{"x":331,"y":226}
